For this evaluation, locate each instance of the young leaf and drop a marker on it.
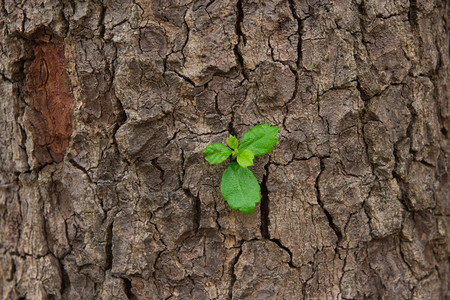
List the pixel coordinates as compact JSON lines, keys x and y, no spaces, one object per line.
{"x":240,"y":188}
{"x":260,"y":139}
{"x":245,"y":158}
{"x":232,"y":142}
{"x":216,"y":153}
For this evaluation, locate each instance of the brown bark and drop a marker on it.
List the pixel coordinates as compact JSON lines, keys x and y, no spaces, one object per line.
{"x":106,"y":107}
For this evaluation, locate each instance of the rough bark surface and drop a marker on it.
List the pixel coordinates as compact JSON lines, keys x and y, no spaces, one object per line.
{"x":106,"y":107}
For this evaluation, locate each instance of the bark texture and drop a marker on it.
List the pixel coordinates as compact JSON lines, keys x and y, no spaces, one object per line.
{"x":106,"y":107}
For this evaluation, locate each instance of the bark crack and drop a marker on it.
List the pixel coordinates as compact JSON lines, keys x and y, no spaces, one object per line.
{"x":108,"y":247}
{"x":233,"y":275}
{"x":412,"y":14}
{"x":279,"y":244}
{"x":241,"y":38}
{"x":231,"y":129}
{"x":158,"y":167}
{"x":127,"y":287}
{"x":264,"y":207}
{"x":292,"y":6}
{"x":81,"y":168}
{"x":196,"y":209}
{"x":101,"y":22}
{"x":332,"y":225}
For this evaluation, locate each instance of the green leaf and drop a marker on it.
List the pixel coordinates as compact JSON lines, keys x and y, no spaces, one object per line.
{"x":260,"y":139}
{"x":232,"y":142}
{"x":245,"y":158}
{"x":240,"y":188}
{"x":216,"y":153}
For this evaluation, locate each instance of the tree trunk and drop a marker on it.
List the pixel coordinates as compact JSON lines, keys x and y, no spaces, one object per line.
{"x":106,"y":107}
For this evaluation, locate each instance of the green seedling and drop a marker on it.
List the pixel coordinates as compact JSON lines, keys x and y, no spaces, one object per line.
{"x":239,"y":186}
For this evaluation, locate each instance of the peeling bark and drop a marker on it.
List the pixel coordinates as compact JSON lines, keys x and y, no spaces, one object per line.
{"x":106,"y":109}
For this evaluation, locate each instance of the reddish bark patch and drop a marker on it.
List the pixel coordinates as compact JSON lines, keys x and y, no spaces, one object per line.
{"x":50,"y":120}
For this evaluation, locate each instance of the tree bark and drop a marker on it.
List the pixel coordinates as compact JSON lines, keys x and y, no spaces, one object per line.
{"x":106,"y":107}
